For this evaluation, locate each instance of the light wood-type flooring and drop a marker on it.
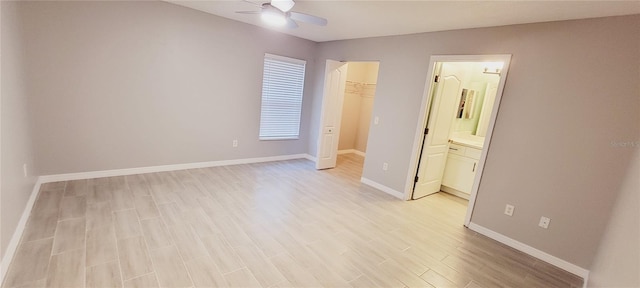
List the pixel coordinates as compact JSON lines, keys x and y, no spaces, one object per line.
{"x":277,"y":224}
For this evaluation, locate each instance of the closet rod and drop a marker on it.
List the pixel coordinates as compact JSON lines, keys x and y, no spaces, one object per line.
{"x":362,"y":83}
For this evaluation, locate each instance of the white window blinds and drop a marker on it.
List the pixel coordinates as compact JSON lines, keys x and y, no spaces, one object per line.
{"x":282,"y":85}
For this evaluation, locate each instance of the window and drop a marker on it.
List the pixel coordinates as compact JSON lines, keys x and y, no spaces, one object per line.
{"x":282,"y":85}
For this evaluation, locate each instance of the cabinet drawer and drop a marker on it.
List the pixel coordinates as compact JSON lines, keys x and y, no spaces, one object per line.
{"x":457,"y":149}
{"x":472,"y":153}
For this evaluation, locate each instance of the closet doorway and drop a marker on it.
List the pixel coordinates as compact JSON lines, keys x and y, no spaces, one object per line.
{"x":350,"y":89}
{"x":360,"y":90}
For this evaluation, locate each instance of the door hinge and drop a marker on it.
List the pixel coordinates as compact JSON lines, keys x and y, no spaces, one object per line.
{"x":416,"y":179}
{"x":426,"y":131}
{"x":437,"y":79}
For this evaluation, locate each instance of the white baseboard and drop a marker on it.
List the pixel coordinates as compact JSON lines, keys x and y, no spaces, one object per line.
{"x":310,"y":158}
{"x":454,"y":192}
{"x":354,"y":151}
{"x":358,"y":152}
{"x":383,"y":188}
{"x":17,"y":234}
{"x":164,"y":168}
{"x":553,"y":260}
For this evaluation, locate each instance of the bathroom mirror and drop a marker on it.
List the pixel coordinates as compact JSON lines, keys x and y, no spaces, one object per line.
{"x":466,"y":106}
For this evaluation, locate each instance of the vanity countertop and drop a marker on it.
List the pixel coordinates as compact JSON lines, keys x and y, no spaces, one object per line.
{"x":475,"y":142}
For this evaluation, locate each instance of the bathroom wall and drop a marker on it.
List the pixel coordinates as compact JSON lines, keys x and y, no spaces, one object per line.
{"x":474,"y":79}
{"x":357,"y":105}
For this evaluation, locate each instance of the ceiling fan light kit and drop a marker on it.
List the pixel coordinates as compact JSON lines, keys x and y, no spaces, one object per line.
{"x":278,"y":13}
{"x":273,"y":18}
{"x":283,"y":5}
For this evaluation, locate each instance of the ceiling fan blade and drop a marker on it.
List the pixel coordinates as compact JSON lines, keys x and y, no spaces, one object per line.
{"x":308,"y":18}
{"x":253,"y":3}
{"x":291,"y":24}
{"x":248,"y":12}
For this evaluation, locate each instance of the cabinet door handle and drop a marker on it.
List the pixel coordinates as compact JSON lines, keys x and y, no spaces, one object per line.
{"x":454,"y":149}
{"x":474,"y":167}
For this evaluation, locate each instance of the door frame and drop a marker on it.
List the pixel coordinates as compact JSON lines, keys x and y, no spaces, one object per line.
{"x":422,"y":118}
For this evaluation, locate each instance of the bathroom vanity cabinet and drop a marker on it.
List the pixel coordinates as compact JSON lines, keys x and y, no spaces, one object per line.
{"x":460,"y":170}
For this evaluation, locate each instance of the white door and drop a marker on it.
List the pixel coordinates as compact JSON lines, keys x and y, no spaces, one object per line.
{"x":440,"y":119}
{"x":334,"y":84}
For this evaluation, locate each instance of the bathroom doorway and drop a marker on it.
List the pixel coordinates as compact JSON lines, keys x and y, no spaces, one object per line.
{"x":461,"y":101}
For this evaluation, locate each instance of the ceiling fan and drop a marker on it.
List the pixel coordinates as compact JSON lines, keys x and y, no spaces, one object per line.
{"x":278,"y":13}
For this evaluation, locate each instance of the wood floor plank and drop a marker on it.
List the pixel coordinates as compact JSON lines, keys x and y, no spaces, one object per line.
{"x":134,"y":257}
{"x":295,"y":274}
{"x":189,"y":244}
{"x":259,"y":265}
{"x":140,"y":188}
{"x":144,"y":281}
{"x":170,"y":214}
{"x":101,"y":245}
{"x":341,"y":266}
{"x":146,"y":207}
{"x":99,"y":214}
{"x":126,"y":223}
{"x":222,"y":254}
{"x":204,"y":272}
{"x":66,"y":269}
{"x":70,"y":235}
{"x":76,"y":188}
{"x":156,"y":233}
{"x":408,"y":278}
{"x":241,"y":278}
{"x":363,"y":282}
{"x":169,"y":268}
{"x":99,"y":193}
{"x":73,"y":207}
{"x":44,"y":216}
{"x":438,"y":280}
{"x":104,"y":275}
{"x":40,"y":226}
{"x":122,"y":199}
{"x":31,"y":262}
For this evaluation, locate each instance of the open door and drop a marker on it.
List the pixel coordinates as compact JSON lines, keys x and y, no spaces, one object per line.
{"x":334,"y":84}
{"x":435,"y":146}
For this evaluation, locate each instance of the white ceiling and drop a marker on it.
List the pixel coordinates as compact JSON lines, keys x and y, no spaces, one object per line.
{"x":360,"y":19}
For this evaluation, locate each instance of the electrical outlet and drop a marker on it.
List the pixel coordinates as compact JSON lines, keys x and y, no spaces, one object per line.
{"x":376,"y":120}
{"x":385,"y":166}
{"x":509,"y":210}
{"x":235,"y":143}
{"x":544,"y":222}
{"x":24,"y":170}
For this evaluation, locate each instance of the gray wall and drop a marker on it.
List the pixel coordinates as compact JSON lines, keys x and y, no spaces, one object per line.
{"x":15,"y":138}
{"x":134,"y":84}
{"x":617,"y":263}
{"x":572,"y":89}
